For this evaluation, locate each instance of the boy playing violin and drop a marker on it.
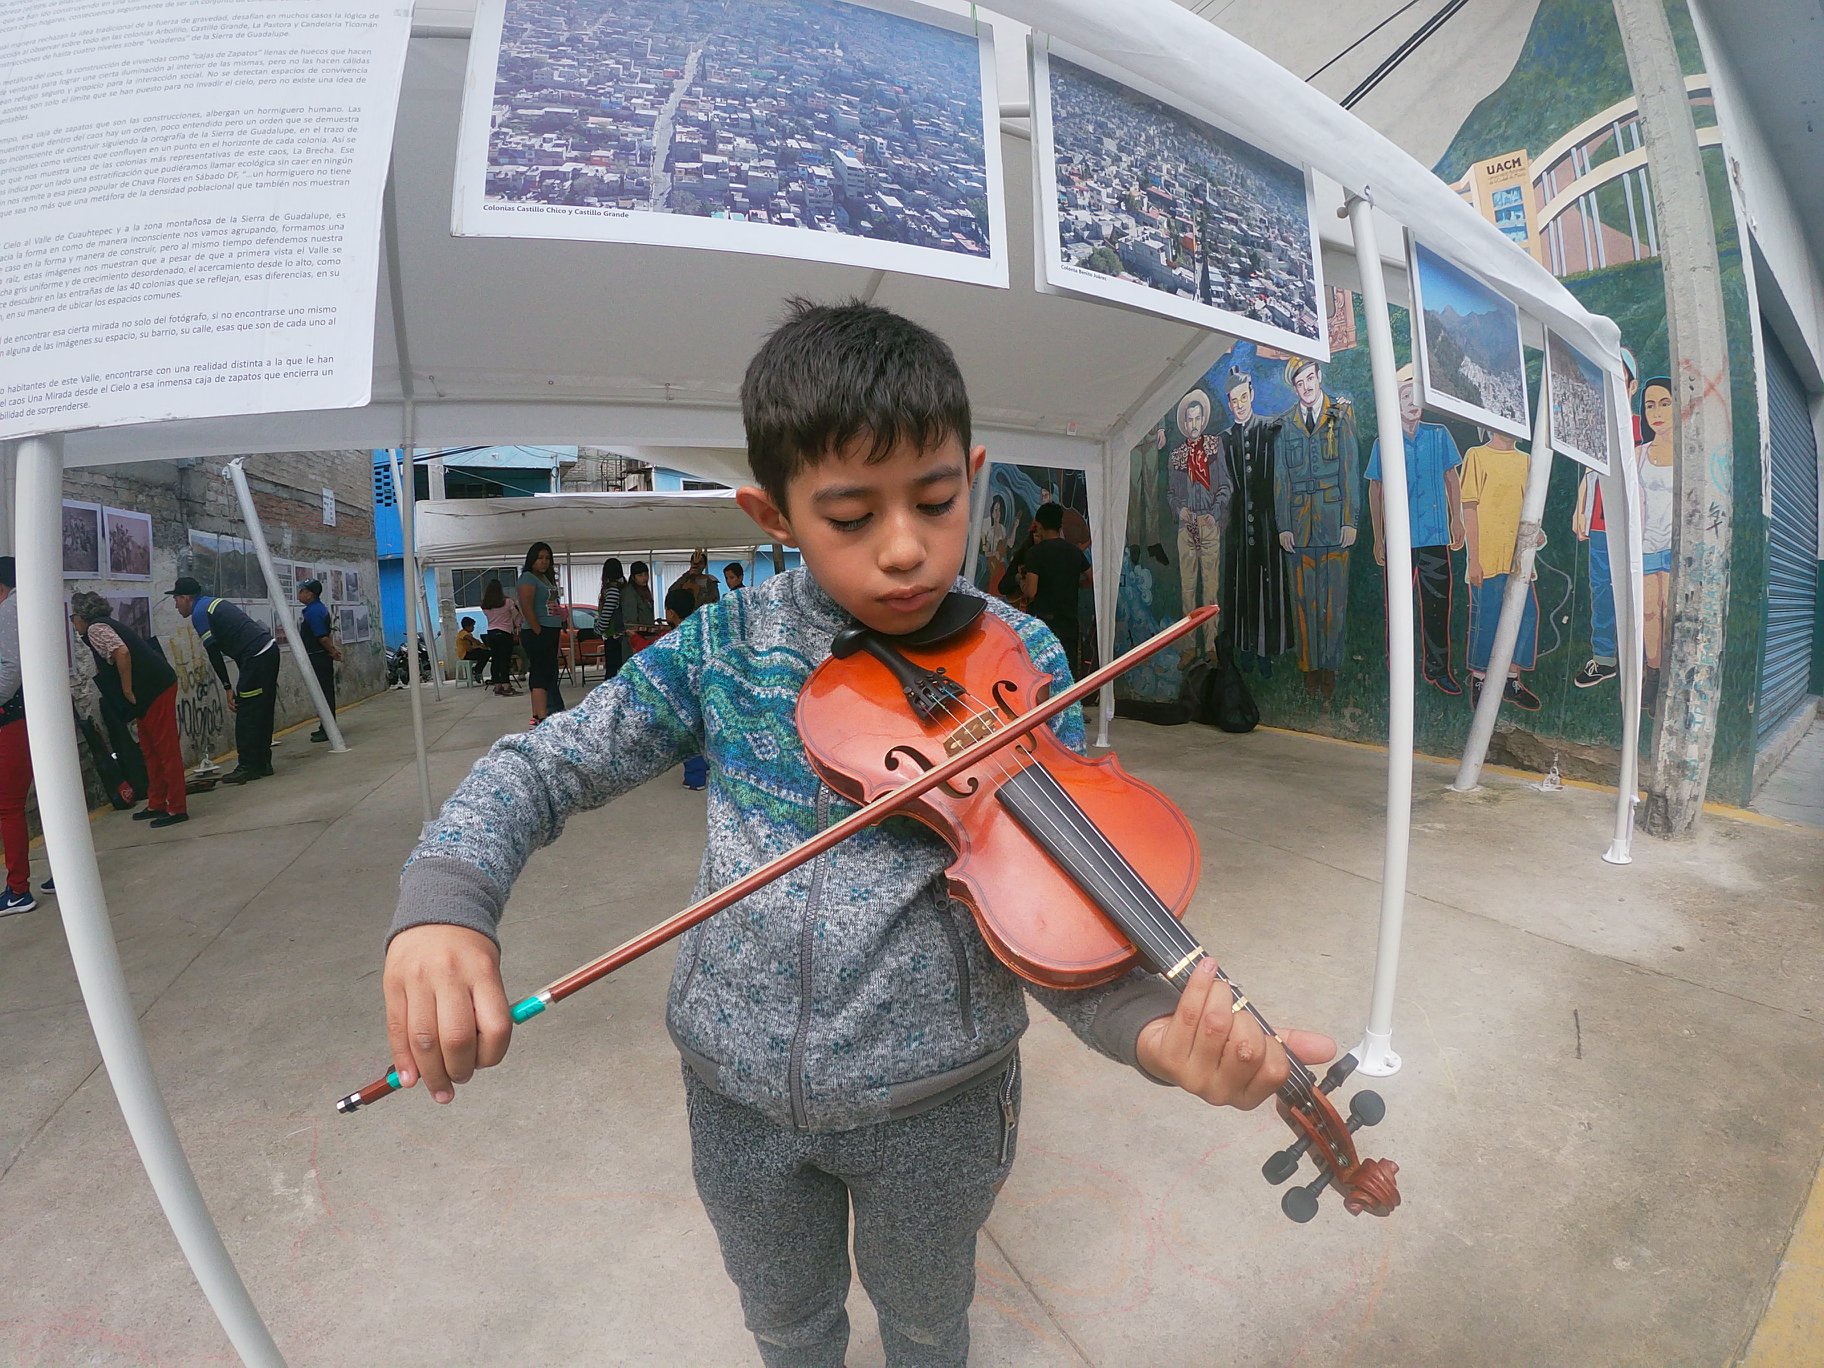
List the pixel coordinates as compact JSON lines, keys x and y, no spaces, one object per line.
{"x":848,"y":1038}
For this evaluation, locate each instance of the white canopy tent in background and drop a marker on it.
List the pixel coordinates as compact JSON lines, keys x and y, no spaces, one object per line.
{"x":541,"y":344}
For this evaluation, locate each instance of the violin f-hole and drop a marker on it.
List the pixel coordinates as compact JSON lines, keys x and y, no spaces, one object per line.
{"x":1001,"y":692}
{"x":927,"y":764}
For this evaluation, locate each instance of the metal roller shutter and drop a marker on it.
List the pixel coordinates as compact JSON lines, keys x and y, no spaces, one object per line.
{"x":1792,"y":544}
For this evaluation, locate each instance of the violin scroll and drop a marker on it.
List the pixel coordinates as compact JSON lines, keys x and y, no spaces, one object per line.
{"x":1366,"y":1184}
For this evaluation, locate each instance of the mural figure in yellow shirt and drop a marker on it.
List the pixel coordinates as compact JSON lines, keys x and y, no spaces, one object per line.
{"x":1494,"y":482}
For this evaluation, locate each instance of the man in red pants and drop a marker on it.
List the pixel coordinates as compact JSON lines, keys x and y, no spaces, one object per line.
{"x":15,"y":757}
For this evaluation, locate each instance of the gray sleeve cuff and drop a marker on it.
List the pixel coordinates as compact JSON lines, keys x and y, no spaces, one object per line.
{"x":445,"y":892}
{"x":1129,"y":1005}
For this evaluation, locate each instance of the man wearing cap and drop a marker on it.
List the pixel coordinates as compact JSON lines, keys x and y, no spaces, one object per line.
{"x":319,"y":645}
{"x":1434,"y":506}
{"x":1256,"y":594}
{"x":1198,"y":492}
{"x":227,"y":631}
{"x":1315,"y":478}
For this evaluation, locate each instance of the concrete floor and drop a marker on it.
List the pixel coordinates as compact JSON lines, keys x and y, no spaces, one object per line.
{"x":1608,"y":1119}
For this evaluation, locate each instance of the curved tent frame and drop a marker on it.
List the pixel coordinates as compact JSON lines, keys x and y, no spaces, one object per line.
{"x":541,"y":345}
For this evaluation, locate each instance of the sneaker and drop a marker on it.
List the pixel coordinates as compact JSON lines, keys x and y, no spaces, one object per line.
{"x":146,"y":814}
{"x":1594,"y":672}
{"x":240,"y":775}
{"x":1519,"y":695}
{"x":170,"y":819}
{"x":319,"y":735}
{"x":48,"y":888}
{"x":17,"y":902}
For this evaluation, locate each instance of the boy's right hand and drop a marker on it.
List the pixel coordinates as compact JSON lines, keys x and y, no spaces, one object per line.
{"x":446,"y":1008}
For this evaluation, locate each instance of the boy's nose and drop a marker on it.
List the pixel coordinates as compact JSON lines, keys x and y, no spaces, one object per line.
{"x":901,"y":548}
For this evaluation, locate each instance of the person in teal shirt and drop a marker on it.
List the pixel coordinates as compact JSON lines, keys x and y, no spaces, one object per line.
{"x":1434,"y":502}
{"x":544,"y":620}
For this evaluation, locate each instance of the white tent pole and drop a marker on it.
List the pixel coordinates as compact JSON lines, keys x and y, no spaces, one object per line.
{"x":978,"y":517}
{"x":1105,"y":570}
{"x":1513,"y":603}
{"x":63,"y":809}
{"x":237,"y":476}
{"x":1621,"y":514}
{"x":402,"y":497}
{"x":403,"y":492}
{"x":1375,"y":1052}
{"x":430,"y":625}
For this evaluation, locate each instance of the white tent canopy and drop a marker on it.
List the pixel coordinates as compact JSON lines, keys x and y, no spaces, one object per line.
{"x":644,"y":347}
{"x":486,"y":531}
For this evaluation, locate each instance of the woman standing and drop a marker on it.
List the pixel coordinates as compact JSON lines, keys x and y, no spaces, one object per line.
{"x":608,"y":623}
{"x":1658,"y":411}
{"x":544,"y":618}
{"x":504,"y":620}
{"x":636,"y":601}
{"x":149,"y":686}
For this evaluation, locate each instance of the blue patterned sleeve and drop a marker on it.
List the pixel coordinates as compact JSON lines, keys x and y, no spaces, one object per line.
{"x":516,"y":799}
{"x":1049,"y":658}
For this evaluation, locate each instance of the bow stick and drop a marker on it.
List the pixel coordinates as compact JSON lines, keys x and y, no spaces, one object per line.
{"x":882,"y":806}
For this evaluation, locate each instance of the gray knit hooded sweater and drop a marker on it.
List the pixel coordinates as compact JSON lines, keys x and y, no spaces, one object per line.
{"x":852,"y":989}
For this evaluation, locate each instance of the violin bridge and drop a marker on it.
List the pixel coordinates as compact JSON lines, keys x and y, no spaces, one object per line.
{"x":977,"y":728}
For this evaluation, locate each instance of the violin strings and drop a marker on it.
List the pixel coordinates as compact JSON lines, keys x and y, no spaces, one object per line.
{"x":1156,"y":918}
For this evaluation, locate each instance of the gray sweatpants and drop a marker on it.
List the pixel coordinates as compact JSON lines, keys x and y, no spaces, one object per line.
{"x":921,"y":1188}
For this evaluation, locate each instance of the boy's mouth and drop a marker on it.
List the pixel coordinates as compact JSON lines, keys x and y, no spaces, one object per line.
{"x":908,"y":600}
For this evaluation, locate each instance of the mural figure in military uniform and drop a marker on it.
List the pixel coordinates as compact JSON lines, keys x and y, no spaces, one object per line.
{"x":1256,"y":591}
{"x":1315,"y":484}
{"x":1199,"y":493}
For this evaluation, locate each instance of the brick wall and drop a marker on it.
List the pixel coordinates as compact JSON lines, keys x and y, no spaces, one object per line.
{"x":192,"y":503}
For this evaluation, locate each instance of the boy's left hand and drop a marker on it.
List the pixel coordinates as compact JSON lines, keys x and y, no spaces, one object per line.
{"x":1220,"y":1055}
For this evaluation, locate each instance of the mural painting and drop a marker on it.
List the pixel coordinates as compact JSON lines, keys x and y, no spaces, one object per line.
{"x":1317,"y":655}
{"x":1010,"y":532}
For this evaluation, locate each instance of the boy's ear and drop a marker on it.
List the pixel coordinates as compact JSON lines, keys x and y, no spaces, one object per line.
{"x":759,"y":505}
{"x":978,"y":457}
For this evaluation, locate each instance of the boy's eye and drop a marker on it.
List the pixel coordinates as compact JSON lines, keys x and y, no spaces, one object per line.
{"x":849,"y":524}
{"x":937,"y":510}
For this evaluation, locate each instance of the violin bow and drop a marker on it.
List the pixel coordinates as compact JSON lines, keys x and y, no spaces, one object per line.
{"x":810,"y":849}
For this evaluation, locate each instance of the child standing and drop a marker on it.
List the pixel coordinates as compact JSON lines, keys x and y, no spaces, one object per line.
{"x":848,"y":1040}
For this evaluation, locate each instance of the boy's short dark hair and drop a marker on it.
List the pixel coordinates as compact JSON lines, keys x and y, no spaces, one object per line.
{"x":1050,"y":517}
{"x":468,"y":622}
{"x":832,"y":372}
{"x":682,"y":600}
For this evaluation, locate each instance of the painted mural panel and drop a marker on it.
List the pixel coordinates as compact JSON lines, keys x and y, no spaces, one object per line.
{"x":1561,"y":697}
{"x":1014,"y":563}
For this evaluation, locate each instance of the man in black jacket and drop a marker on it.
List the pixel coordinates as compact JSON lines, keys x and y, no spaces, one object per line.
{"x":227,"y":631}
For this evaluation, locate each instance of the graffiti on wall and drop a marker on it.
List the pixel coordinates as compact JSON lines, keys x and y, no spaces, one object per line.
{"x":202,"y":707}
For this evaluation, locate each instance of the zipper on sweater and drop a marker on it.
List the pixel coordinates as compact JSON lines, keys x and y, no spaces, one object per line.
{"x":806,"y":929}
{"x":1010,"y":1114}
{"x":953,"y":934}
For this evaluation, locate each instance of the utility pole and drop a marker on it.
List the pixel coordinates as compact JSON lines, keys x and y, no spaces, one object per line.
{"x":1690,"y":683}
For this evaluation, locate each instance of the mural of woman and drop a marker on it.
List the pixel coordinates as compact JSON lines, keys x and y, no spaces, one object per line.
{"x":1658,"y":412}
{"x":995,"y":542}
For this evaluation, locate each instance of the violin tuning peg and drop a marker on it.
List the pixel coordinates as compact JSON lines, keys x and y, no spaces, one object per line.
{"x":1300,"y":1203}
{"x":1366,"y":1109}
{"x":1337,"y":1074}
{"x":1282,"y":1164}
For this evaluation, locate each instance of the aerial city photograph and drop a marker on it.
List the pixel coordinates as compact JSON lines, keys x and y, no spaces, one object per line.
{"x":806,"y":114}
{"x":1580,"y":410}
{"x":1151,"y":196}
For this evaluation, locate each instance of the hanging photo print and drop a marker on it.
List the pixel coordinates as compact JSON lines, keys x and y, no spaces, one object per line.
{"x":1466,"y":339}
{"x":129,"y":544}
{"x":1145,"y":205}
{"x":865,"y":134}
{"x":81,"y":540}
{"x":1579,"y":396}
